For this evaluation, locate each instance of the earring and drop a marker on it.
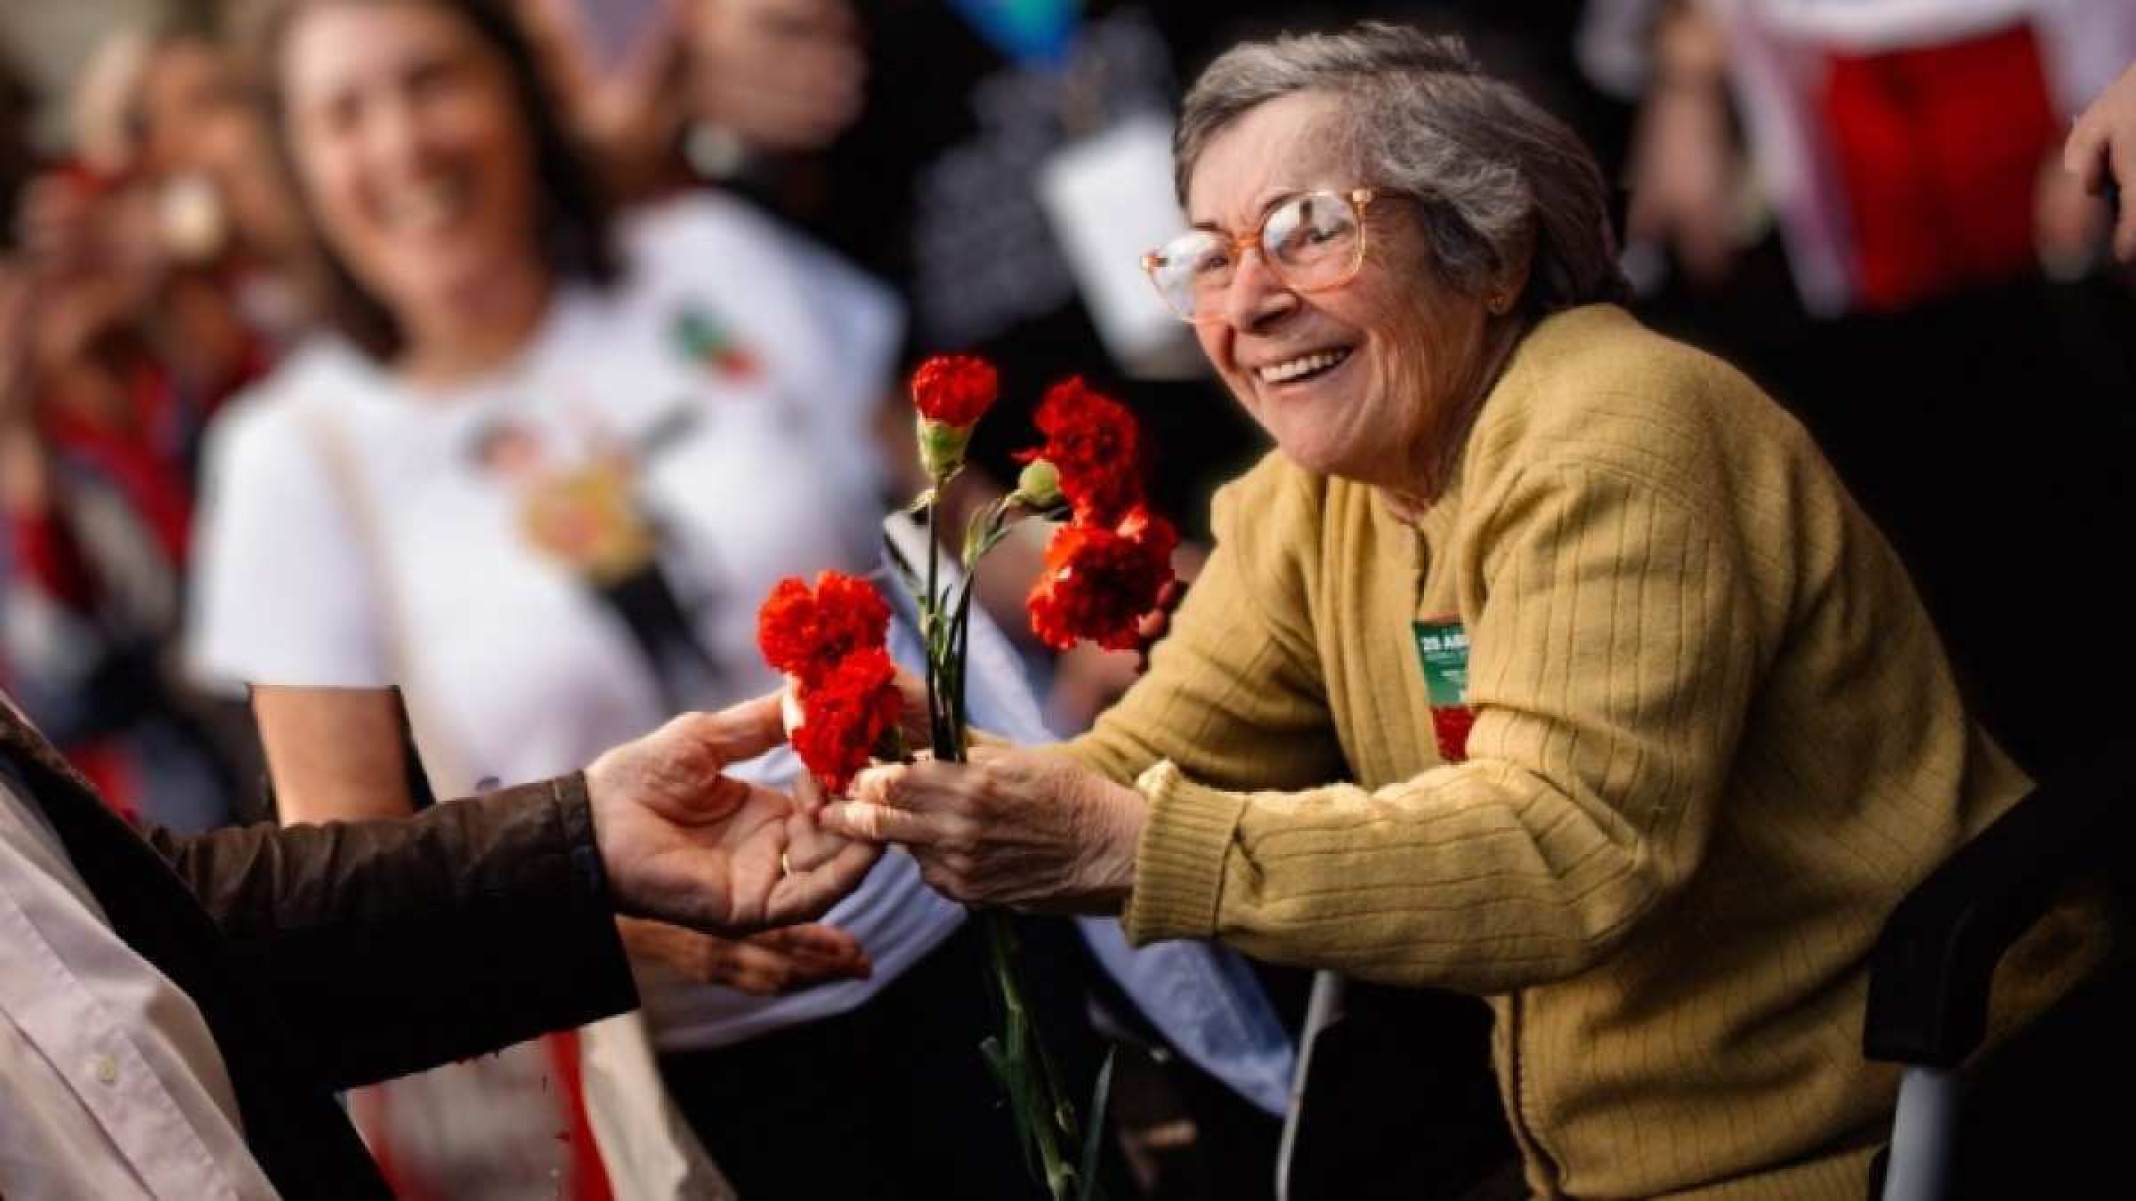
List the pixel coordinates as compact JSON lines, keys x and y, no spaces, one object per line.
{"x":1498,"y":304}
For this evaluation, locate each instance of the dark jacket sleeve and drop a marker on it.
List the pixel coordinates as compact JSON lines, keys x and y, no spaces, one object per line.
{"x":396,"y":945}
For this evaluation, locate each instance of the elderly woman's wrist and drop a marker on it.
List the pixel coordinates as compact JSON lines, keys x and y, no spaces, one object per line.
{"x":1188,"y":831}
{"x":1127,"y":814}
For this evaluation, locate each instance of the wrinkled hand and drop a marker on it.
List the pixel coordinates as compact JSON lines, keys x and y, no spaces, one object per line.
{"x":1026,"y":828}
{"x":2102,"y":149}
{"x":765,"y":964}
{"x":684,"y":843}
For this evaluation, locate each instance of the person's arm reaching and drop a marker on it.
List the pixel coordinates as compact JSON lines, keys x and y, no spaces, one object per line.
{"x":396,"y":945}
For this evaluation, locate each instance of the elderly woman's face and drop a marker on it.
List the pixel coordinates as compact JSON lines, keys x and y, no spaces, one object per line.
{"x":1357,"y":380}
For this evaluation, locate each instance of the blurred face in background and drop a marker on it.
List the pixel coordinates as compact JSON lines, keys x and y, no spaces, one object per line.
{"x":409,"y":148}
{"x":198,"y":125}
{"x":188,"y":93}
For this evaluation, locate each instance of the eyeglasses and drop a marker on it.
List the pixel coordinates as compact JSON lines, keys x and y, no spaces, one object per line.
{"x":1312,"y":242}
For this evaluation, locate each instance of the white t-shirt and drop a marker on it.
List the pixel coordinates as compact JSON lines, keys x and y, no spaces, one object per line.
{"x":737,"y":368}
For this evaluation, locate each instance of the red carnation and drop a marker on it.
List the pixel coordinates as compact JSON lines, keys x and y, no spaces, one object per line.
{"x":955,"y":389}
{"x":1092,"y":440}
{"x":1100,"y":581}
{"x":844,"y":714}
{"x":806,"y":633}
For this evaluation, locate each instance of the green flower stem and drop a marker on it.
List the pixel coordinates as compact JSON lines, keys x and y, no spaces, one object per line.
{"x":1053,"y":1119}
{"x":1044,"y":1117}
{"x":940,"y":729}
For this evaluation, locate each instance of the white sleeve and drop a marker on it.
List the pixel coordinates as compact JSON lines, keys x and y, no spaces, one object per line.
{"x":281,"y":592}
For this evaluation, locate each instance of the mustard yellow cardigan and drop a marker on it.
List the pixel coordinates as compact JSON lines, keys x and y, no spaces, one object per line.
{"x":1716,"y":739}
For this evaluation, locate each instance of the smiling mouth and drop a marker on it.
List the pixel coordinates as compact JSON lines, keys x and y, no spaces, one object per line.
{"x":1304,"y":367}
{"x":429,"y":207}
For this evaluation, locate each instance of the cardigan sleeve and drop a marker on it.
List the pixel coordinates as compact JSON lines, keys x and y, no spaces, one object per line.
{"x":1610,"y":677}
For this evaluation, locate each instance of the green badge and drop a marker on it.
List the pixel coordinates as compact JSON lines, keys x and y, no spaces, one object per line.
{"x":1443,"y":651}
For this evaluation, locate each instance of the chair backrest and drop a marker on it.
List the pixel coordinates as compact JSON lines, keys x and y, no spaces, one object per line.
{"x":2027,"y":1118}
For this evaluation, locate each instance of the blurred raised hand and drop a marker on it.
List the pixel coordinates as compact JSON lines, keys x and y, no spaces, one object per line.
{"x":1685,"y":170}
{"x":780,"y":75}
{"x":2102,"y":151}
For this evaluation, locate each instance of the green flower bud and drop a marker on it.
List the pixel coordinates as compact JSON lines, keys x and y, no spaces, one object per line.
{"x":942,"y":448}
{"x":1039,"y":485}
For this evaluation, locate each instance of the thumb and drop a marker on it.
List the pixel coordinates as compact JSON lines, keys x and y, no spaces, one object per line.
{"x":739,"y":732}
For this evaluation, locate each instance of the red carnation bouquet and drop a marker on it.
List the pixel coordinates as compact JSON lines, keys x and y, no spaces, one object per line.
{"x":1108,"y":567}
{"x":829,"y":641}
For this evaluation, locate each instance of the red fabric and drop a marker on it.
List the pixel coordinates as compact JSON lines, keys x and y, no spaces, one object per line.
{"x":107,"y":765}
{"x":48,"y":556}
{"x":1450,"y":726}
{"x":1939,"y":150}
{"x":589,"y":1177}
{"x":142,"y":465}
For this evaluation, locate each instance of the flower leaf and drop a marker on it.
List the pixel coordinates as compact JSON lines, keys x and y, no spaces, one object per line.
{"x":1094,"y":1137}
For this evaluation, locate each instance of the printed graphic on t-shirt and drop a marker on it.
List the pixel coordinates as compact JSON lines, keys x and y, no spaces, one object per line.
{"x":587,"y":514}
{"x":705,"y":339}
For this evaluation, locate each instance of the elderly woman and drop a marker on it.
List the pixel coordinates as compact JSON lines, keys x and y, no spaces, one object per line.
{"x":1714,"y":735}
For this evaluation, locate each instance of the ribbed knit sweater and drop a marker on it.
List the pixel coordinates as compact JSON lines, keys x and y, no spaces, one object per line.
{"x":1716,"y":739}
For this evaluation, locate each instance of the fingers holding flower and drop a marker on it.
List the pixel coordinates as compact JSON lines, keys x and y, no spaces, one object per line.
{"x":1032,"y":829}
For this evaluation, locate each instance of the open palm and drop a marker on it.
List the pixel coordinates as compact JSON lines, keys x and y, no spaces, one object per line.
{"x":685,"y":843}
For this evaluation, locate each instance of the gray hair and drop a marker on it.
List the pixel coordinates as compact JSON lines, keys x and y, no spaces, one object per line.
{"x":1497,"y":180}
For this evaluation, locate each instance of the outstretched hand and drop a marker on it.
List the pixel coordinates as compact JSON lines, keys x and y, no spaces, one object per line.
{"x":685,"y":843}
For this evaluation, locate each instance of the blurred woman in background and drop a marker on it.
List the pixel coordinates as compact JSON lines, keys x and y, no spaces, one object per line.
{"x":528,"y":485}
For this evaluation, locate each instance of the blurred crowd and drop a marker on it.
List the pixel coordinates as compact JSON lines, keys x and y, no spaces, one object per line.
{"x":253,"y":217}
